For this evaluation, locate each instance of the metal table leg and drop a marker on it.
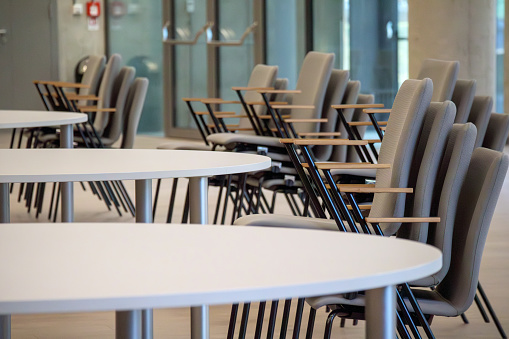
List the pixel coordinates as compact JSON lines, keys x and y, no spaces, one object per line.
{"x":66,"y":140}
{"x":198,"y":205}
{"x":138,"y":324}
{"x":5,"y":320}
{"x":381,"y":313}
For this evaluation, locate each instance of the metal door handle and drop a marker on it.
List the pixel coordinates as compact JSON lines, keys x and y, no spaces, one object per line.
{"x":248,"y":31}
{"x":185,"y":42}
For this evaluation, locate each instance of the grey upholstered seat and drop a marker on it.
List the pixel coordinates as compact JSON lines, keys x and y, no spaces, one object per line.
{"x":480,"y":115}
{"x":105,"y":92}
{"x":133,"y":109}
{"x":463,"y":96}
{"x":351,"y":97}
{"x":477,"y":201}
{"x":496,"y":132}
{"x":443,"y":74}
{"x":313,"y":79}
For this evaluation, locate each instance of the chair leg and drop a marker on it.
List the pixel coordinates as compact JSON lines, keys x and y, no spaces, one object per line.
{"x":245,"y":318}
{"x":311,"y":323}
{"x":286,"y":316}
{"x":218,"y":203}
{"x":481,"y":309}
{"x":298,"y":318}
{"x":491,"y":310}
{"x":464,"y":318}
{"x":328,"y":324}
{"x":272,"y":319}
{"x":172,"y":200}
{"x":259,"y":320}
{"x":156,"y":198}
{"x":233,"y":320}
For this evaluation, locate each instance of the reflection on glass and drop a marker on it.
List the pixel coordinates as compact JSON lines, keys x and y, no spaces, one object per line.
{"x":190,"y":60}
{"x":500,"y":52}
{"x":134,"y":32}
{"x":402,"y":41}
{"x":235,"y":62}
{"x":327,"y":30}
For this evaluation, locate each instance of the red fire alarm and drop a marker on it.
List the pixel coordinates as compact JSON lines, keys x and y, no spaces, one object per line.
{"x":93,"y":9}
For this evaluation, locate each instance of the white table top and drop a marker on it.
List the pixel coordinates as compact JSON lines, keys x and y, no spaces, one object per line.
{"x":27,"y":119}
{"x":93,"y":267}
{"x":62,"y":165}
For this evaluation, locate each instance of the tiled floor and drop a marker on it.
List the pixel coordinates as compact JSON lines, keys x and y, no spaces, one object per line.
{"x":174,"y":323}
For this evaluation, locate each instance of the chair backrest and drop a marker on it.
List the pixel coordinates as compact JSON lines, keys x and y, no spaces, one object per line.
{"x":105,"y":89}
{"x":92,"y":75}
{"x":359,"y":115}
{"x":313,"y":80}
{"x":496,"y":132}
{"x":463,"y":96}
{"x":443,"y":74}
{"x":480,"y":115}
{"x":133,"y":108}
{"x":333,"y":96}
{"x":425,"y":164}
{"x":476,"y":205}
{"x":121,"y":87}
{"x":350,"y":97}
{"x":261,"y":76}
{"x":398,"y":147}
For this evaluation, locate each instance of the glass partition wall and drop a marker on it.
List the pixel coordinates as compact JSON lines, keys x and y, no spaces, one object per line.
{"x":201,"y":48}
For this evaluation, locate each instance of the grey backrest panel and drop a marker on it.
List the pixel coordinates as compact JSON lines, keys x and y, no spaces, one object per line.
{"x":426,"y":161}
{"x":261,"y":76}
{"x":496,"y":132}
{"x":359,"y":115}
{"x":134,"y":108}
{"x":333,"y":96}
{"x":398,"y":147}
{"x":313,"y":80}
{"x":105,"y":89}
{"x":463,"y":96}
{"x":443,"y":74}
{"x":350,"y":97}
{"x":476,"y":206}
{"x":480,"y":115}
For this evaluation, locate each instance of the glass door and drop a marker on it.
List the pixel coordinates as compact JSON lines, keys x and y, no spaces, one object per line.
{"x":209,"y":47}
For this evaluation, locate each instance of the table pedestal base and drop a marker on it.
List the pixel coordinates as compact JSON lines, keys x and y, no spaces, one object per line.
{"x":381,"y":313}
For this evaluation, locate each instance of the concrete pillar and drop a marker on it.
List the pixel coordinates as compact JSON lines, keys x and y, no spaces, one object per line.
{"x":462,"y":30}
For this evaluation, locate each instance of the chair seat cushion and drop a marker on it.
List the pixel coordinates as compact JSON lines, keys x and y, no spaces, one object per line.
{"x":230,"y":139}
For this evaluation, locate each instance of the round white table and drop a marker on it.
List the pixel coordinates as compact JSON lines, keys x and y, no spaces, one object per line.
{"x":29,"y":119}
{"x":51,"y":268}
{"x":141,"y":165}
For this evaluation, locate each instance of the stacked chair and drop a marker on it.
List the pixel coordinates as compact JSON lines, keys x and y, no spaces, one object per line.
{"x":114,"y":101}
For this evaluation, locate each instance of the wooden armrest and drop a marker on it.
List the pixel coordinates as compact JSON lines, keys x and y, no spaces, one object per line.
{"x":366,"y":123}
{"x":383,"y":128}
{"x":268,"y":117}
{"x":343,"y":106}
{"x":88,"y":109}
{"x":293,"y":106}
{"x":240,"y":128}
{"x":404,"y":219}
{"x":225,"y":116}
{"x":251,"y":88}
{"x":346,"y":165}
{"x":314,"y":141}
{"x":370,"y":111}
{"x":215,"y":112}
{"x":227,"y":126}
{"x":61,"y":84}
{"x":306,"y":120}
{"x":261,"y":103}
{"x":361,"y":207}
{"x":212,"y":100}
{"x":193,"y":99}
{"x":320,"y":134}
{"x":372,"y":189}
{"x":75,"y":97}
{"x":281,"y":91}
{"x":373,"y":141}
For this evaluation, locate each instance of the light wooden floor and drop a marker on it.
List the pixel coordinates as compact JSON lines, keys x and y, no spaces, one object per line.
{"x":174,"y":323}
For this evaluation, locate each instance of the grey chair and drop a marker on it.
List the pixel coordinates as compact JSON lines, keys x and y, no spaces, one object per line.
{"x":496,"y":132}
{"x":351,"y":97}
{"x":444,"y":75}
{"x":121,"y":87}
{"x":359,"y":116}
{"x":463,"y":96}
{"x":480,"y":115}
{"x":477,"y":200}
{"x":105,"y":93}
{"x":133,"y":108}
